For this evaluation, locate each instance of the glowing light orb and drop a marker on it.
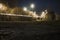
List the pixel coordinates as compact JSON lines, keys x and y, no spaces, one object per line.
{"x":32,"y":5}
{"x":25,"y":9}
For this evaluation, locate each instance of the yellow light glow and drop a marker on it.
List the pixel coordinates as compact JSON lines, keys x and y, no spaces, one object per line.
{"x":2,"y":7}
{"x":33,"y":14}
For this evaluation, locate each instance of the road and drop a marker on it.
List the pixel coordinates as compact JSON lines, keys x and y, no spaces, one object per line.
{"x":29,"y":31}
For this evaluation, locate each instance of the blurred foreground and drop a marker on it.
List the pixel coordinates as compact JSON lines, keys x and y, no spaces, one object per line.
{"x":30,"y":30}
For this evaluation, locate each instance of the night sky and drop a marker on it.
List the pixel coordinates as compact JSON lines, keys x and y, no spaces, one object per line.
{"x":39,"y":4}
{"x":42,"y":4}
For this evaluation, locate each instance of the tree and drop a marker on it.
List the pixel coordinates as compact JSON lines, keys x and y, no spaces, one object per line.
{"x":51,"y":15}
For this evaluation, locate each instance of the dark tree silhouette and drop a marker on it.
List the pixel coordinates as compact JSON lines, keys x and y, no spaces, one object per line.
{"x":51,"y":15}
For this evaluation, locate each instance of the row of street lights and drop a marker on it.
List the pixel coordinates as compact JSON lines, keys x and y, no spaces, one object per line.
{"x":31,"y":6}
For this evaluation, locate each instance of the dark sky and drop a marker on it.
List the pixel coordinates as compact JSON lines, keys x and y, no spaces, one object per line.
{"x":40,"y":4}
{"x":43,"y":4}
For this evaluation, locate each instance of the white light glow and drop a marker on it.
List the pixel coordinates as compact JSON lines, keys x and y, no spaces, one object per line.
{"x":43,"y":15}
{"x":32,"y":5}
{"x":3,"y":7}
{"x":25,"y":9}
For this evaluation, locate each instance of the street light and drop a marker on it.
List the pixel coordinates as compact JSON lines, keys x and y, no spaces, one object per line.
{"x":25,"y":9}
{"x":32,"y":6}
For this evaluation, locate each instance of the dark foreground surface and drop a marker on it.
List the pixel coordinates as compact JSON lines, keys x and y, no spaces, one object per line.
{"x":29,"y":30}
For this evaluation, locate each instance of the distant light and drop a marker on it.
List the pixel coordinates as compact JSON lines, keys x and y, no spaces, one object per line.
{"x":1,"y":5}
{"x":43,"y":15}
{"x":25,"y":9}
{"x":35,"y":15}
{"x":32,"y":5}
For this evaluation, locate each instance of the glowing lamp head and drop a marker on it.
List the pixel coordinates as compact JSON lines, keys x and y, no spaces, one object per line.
{"x":32,"y":5}
{"x":25,"y":9}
